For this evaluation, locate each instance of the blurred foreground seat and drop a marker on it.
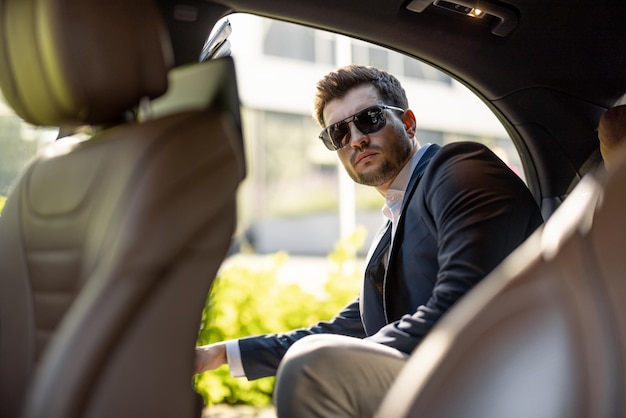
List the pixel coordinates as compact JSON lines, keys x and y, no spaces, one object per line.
{"x":109,"y":243}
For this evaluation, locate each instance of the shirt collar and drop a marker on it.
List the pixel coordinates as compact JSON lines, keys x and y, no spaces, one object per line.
{"x":397,"y":189}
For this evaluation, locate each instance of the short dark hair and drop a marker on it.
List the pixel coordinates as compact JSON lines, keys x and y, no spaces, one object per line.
{"x":336,"y":84}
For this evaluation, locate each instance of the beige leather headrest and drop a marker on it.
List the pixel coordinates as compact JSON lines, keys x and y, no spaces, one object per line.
{"x":68,"y":62}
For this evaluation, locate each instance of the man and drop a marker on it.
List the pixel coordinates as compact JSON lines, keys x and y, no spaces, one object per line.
{"x":454,"y":213}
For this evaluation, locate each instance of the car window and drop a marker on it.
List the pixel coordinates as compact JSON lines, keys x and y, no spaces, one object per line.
{"x":19,"y":142}
{"x":293,"y":180}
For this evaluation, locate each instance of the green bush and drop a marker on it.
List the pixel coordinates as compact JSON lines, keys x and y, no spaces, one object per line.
{"x":248,"y":299}
{"x":2,"y":200}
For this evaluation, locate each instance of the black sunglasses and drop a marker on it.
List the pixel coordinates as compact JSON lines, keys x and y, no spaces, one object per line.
{"x":368,"y":121}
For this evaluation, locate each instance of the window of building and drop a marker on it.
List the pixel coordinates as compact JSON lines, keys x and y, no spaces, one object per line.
{"x":416,"y":69}
{"x":288,"y":40}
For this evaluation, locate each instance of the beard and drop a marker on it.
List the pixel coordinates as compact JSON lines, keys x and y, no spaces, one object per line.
{"x":394,"y":161}
{"x":381,"y":175}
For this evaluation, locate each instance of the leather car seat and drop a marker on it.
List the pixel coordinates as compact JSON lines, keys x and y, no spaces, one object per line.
{"x":544,"y":335}
{"x":109,"y":243}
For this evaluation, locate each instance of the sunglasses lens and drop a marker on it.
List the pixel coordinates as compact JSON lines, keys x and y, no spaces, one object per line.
{"x":367,"y":121}
{"x":370,"y":120}
{"x":339,"y":133}
{"x":327,"y":141}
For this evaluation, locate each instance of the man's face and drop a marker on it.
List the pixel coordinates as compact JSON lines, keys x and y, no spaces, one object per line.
{"x":374,"y":159}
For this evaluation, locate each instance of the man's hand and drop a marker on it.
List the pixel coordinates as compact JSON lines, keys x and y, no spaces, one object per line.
{"x":209,"y":357}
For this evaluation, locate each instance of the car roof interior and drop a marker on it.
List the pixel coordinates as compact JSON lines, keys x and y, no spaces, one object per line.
{"x":543,"y":68}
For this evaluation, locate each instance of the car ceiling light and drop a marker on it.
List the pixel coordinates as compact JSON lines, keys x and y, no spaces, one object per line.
{"x":505,"y":17}
{"x":475,"y":13}
{"x":459,"y":8}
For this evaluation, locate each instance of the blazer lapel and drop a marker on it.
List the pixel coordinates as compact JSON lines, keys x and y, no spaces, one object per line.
{"x":371,"y":301}
{"x":417,"y":174}
{"x":391,"y":293}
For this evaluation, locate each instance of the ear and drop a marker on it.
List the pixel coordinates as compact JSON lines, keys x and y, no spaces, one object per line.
{"x":410,"y":124}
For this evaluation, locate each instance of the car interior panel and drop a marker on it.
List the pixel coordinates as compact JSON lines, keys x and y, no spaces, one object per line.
{"x":143,"y":221}
{"x":97,"y":266}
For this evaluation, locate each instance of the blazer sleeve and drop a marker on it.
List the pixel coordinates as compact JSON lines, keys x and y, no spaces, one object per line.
{"x":260,"y":355}
{"x":479,"y":211}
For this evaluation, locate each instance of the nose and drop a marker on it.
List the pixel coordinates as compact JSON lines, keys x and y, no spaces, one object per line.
{"x":357,"y":138}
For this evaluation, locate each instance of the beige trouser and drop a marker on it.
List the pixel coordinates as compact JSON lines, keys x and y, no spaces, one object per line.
{"x":331,"y":376}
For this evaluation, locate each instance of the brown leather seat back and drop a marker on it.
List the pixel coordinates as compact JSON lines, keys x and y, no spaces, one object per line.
{"x":545,"y":334}
{"x":109,"y":244}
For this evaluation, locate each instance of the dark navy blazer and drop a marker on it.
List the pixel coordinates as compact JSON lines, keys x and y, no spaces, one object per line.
{"x":463,"y":212}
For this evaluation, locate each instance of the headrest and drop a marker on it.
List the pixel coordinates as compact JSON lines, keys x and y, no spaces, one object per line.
{"x":81,"y":62}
